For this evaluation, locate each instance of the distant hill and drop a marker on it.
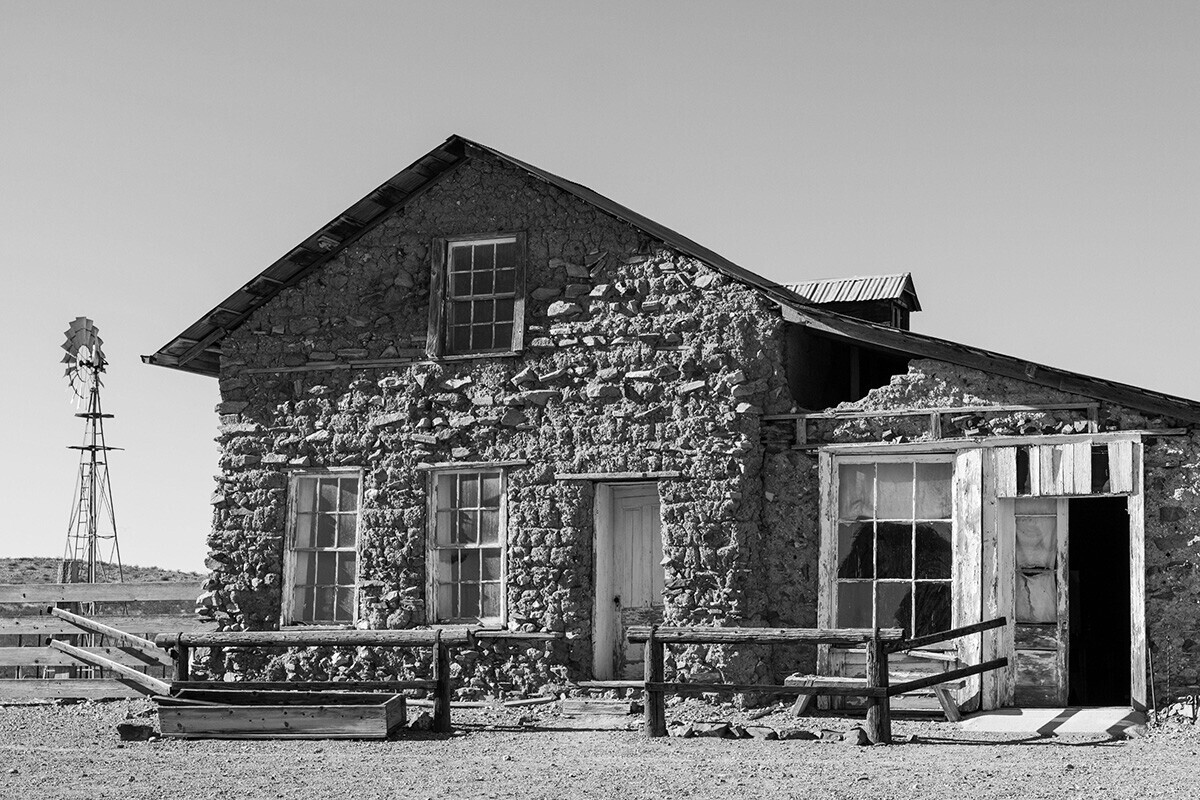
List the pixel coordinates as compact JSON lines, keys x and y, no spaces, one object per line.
{"x":45,"y":570}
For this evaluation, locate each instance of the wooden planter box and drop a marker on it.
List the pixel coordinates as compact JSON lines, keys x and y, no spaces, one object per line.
{"x":247,"y":714}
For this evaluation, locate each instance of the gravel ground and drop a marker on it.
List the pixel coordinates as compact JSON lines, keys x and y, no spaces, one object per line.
{"x":68,"y":751}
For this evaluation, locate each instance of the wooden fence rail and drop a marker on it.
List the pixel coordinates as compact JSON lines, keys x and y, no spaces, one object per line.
{"x":879,"y":642}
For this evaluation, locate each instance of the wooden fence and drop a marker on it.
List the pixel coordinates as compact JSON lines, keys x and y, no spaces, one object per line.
{"x":879,"y":643}
{"x":44,"y":648}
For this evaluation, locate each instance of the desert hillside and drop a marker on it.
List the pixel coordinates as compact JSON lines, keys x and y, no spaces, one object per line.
{"x":45,"y":570}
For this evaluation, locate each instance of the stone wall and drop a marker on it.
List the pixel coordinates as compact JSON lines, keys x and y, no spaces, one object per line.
{"x":1172,"y":492}
{"x":637,"y":359}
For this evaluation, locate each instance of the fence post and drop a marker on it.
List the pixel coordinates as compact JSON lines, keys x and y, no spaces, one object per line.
{"x":441,"y":692}
{"x":879,"y":722}
{"x":655,"y":712}
{"x":182,"y":659}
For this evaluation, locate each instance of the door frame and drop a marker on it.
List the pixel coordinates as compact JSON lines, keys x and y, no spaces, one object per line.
{"x":606,"y":622}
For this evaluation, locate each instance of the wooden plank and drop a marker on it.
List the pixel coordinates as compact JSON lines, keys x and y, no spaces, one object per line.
{"x":1120,"y":466}
{"x":617,"y":476}
{"x":951,"y":445}
{"x":1005,"y":464}
{"x":44,"y":627}
{"x":1049,"y":477}
{"x":1028,"y":636}
{"x":50,"y":657}
{"x":1062,"y":576}
{"x":437,"y":298}
{"x":29,"y":689}
{"x":654,"y":716}
{"x":1037,"y":672}
{"x":855,"y":689}
{"x":953,"y":674}
{"x":827,"y":559}
{"x":945,"y":636}
{"x":879,"y":725}
{"x":292,"y":687}
{"x":1136,"y":505}
{"x":96,"y":592}
{"x":442,"y":686}
{"x":967,"y":568}
{"x":318,"y":638}
{"x":1065,"y":470}
{"x":1082,"y":458}
{"x":919,"y":412}
{"x":100,"y":629}
{"x":1035,"y":469}
{"x":707,"y":635}
{"x":1006,"y":593}
{"x":153,"y":684}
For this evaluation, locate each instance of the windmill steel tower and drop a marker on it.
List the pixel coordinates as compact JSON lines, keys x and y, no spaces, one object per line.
{"x":92,"y":554}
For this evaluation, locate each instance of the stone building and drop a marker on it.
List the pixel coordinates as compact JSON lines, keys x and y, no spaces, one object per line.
{"x":484,"y":394}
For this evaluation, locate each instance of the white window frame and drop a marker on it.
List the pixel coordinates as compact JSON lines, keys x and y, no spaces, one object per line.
{"x":288,"y":608}
{"x":830,"y":538}
{"x":442,"y":296}
{"x":435,"y":615}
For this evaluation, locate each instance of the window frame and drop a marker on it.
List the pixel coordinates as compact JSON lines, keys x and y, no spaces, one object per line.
{"x":432,"y":549}
{"x":831,"y":538}
{"x":437,"y":344}
{"x":287,"y":614}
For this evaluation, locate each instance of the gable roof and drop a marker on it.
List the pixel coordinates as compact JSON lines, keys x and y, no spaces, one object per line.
{"x":860,"y":290}
{"x":197,"y":348}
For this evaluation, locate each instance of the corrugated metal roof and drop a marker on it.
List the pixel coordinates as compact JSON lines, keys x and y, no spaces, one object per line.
{"x":859,"y":289}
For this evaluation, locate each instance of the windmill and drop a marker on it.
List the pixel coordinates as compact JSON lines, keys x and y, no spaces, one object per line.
{"x":92,"y":554}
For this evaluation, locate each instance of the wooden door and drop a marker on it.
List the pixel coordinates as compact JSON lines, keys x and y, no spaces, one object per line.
{"x":629,"y":574}
{"x":1040,"y":607}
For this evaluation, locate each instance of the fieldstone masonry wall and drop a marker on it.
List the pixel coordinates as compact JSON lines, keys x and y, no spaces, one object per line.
{"x":1172,"y":495}
{"x":637,"y":359}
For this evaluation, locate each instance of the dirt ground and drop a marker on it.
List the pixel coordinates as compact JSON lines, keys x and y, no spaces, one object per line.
{"x":73,"y":751}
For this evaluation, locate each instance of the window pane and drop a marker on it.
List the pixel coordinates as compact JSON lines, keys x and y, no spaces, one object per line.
{"x":894,"y":556}
{"x":467,"y":532}
{"x":460,"y":313}
{"x":502,"y":336}
{"x":326,"y":530}
{"x":483,"y":337}
{"x":460,"y":258}
{"x":484,"y":257}
{"x":504,"y":310}
{"x":325,"y":596}
{"x":856,"y":491}
{"x":895,"y":605}
{"x":856,"y":550}
{"x":306,"y":495}
{"x":349,"y":499}
{"x":468,"y":491}
{"x":326,"y":568}
{"x":446,"y":492}
{"x":491,"y":599}
{"x":460,"y":286}
{"x":304,"y":530}
{"x":935,"y":556}
{"x":506,"y":255}
{"x":491,"y":490}
{"x":445,"y":569}
{"x":1036,"y":505}
{"x":328,"y":495}
{"x":302,"y":603}
{"x":933,"y":608}
{"x":345,"y":605}
{"x":854,"y":605}
{"x":468,"y":565}
{"x":306,"y":567}
{"x":933,"y":490}
{"x":895,"y":492}
{"x":346,"y":565}
{"x":470,"y":601}
{"x":1036,"y":544}
{"x":445,"y":530}
{"x":506,"y":281}
{"x":347,"y":525}
{"x":489,"y":527}
{"x":484,"y":310}
{"x":491,"y":564}
{"x":447,"y":600}
{"x":460,"y":339}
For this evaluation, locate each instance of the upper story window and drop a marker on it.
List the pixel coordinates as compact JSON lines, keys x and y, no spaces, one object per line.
{"x":321,"y":560}
{"x":478,"y":303}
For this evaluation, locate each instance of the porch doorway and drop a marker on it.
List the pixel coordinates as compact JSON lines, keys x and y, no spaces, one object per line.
{"x":629,"y":574}
{"x":1099,"y":602}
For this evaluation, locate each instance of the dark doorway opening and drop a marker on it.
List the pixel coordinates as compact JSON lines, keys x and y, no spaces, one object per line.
{"x":1098,"y":632}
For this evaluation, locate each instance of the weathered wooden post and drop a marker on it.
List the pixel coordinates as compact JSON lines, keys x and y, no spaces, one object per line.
{"x":879,"y":722}
{"x":441,"y":691}
{"x":182,"y":659}
{"x":655,"y":719}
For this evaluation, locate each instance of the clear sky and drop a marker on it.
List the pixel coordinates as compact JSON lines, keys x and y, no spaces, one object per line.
{"x":1035,"y":165}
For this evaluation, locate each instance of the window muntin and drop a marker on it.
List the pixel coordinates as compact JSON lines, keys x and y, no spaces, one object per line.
{"x":467,"y":546}
{"x":481,"y":295}
{"x":894,"y":552}
{"x":322,"y":554}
